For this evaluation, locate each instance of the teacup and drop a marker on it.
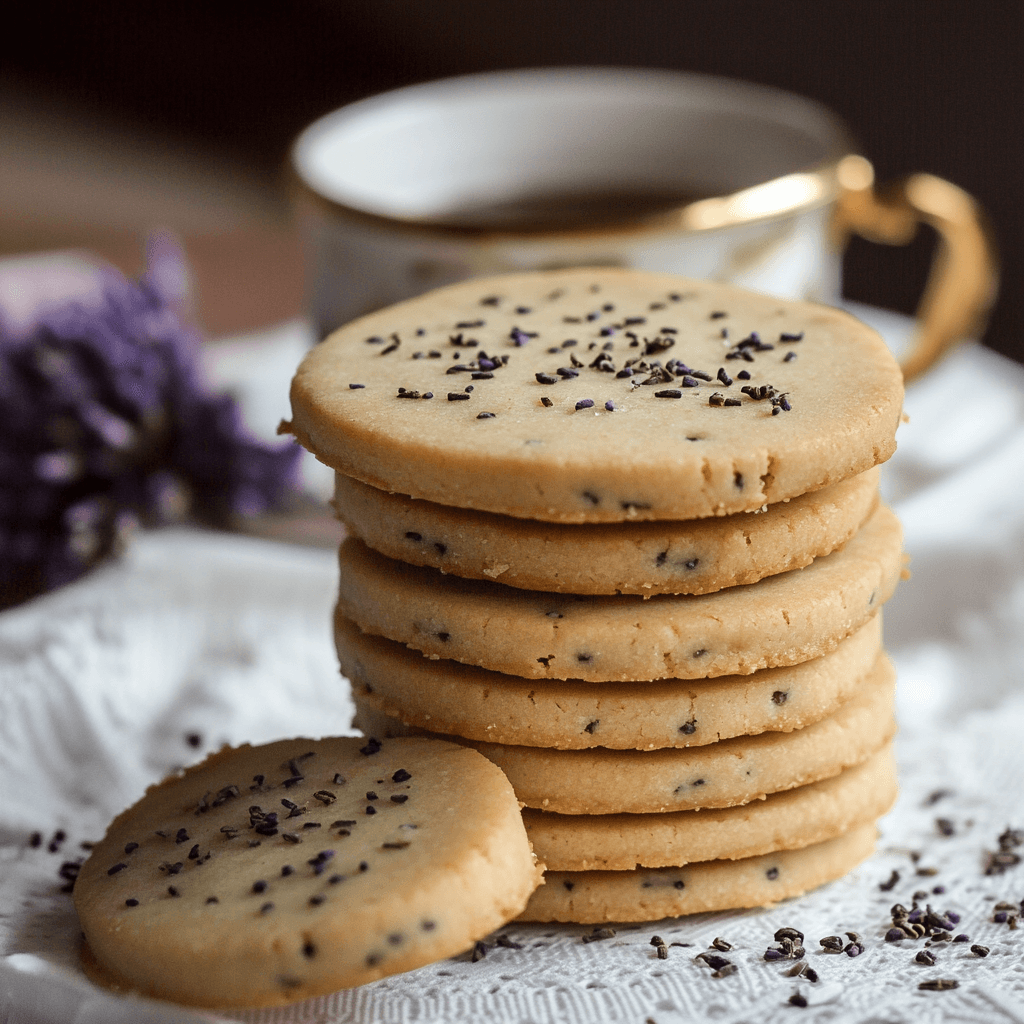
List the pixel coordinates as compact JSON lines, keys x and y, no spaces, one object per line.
{"x":701,"y":176}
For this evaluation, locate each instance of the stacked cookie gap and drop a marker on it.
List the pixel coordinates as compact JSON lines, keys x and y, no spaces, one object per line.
{"x":672,"y":644}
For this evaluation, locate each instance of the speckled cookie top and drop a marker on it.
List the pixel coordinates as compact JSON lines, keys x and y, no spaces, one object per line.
{"x":599,"y":396}
{"x":269,"y":874}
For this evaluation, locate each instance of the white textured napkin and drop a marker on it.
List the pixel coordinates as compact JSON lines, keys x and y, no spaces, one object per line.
{"x":197,"y":638}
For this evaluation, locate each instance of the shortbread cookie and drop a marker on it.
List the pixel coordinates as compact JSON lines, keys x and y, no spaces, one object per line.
{"x":781,"y":620}
{"x":726,"y":774}
{"x":590,"y":897}
{"x":269,"y":874}
{"x":698,"y":556}
{"x":446,"y":697}
{"x":783,"y":821}
{"x":599,"y":396}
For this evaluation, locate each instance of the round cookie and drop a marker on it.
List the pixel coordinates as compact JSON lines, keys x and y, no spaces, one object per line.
{"x":591,"y":897}
{"x":447,"y":697}
{"x":697,"y":556}
{"x":590,"y":396}
{"x":270,"y":874}
{"x":781,"y":620}
{"x":782,"y":821}
{"x":725,"y":774}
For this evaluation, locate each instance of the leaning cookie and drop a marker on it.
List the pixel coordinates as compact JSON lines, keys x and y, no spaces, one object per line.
{"x":695,"y":556}
{"x":590,"y":897}
{"x":270,"y":874}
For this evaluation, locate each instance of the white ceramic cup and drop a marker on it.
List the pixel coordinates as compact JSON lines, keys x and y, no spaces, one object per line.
{"x":431,"y":184}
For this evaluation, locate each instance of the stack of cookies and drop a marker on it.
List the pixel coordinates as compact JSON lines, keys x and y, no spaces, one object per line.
{"x":620,"y":532}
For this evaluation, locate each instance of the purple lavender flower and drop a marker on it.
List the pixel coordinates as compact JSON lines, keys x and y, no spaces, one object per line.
{"x":103,"y":415}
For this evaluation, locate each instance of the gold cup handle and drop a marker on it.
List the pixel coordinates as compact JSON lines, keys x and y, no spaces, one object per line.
{"x":964,"y":276}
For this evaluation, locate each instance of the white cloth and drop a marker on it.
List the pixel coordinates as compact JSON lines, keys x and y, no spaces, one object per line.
{"x":227,"y":638}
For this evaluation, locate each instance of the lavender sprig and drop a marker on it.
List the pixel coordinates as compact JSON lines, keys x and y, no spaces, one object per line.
{"x":103,"y":417}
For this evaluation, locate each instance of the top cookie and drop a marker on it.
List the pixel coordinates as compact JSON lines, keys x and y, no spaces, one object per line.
{"x":599,"y":395}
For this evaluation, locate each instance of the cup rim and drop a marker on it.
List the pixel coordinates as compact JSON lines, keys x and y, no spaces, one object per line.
{"x":803,"y":189}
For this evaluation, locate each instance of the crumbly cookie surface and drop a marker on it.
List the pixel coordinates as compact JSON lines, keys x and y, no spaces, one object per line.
{"x":591,"y":897}
{"x":448,"y":697}
{"x":270,"y":874}
{"x":726,"y":774}
{"x":599,"y":396}
{"x":697,"y":556}
{"x":788,"y":820}
{"x":781,"y":620}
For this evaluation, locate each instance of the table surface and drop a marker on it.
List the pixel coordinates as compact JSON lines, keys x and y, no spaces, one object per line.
{"x":198,"y":638}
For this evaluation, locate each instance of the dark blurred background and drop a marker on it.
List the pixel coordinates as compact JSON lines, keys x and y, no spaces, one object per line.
{"x":117,"y":116}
